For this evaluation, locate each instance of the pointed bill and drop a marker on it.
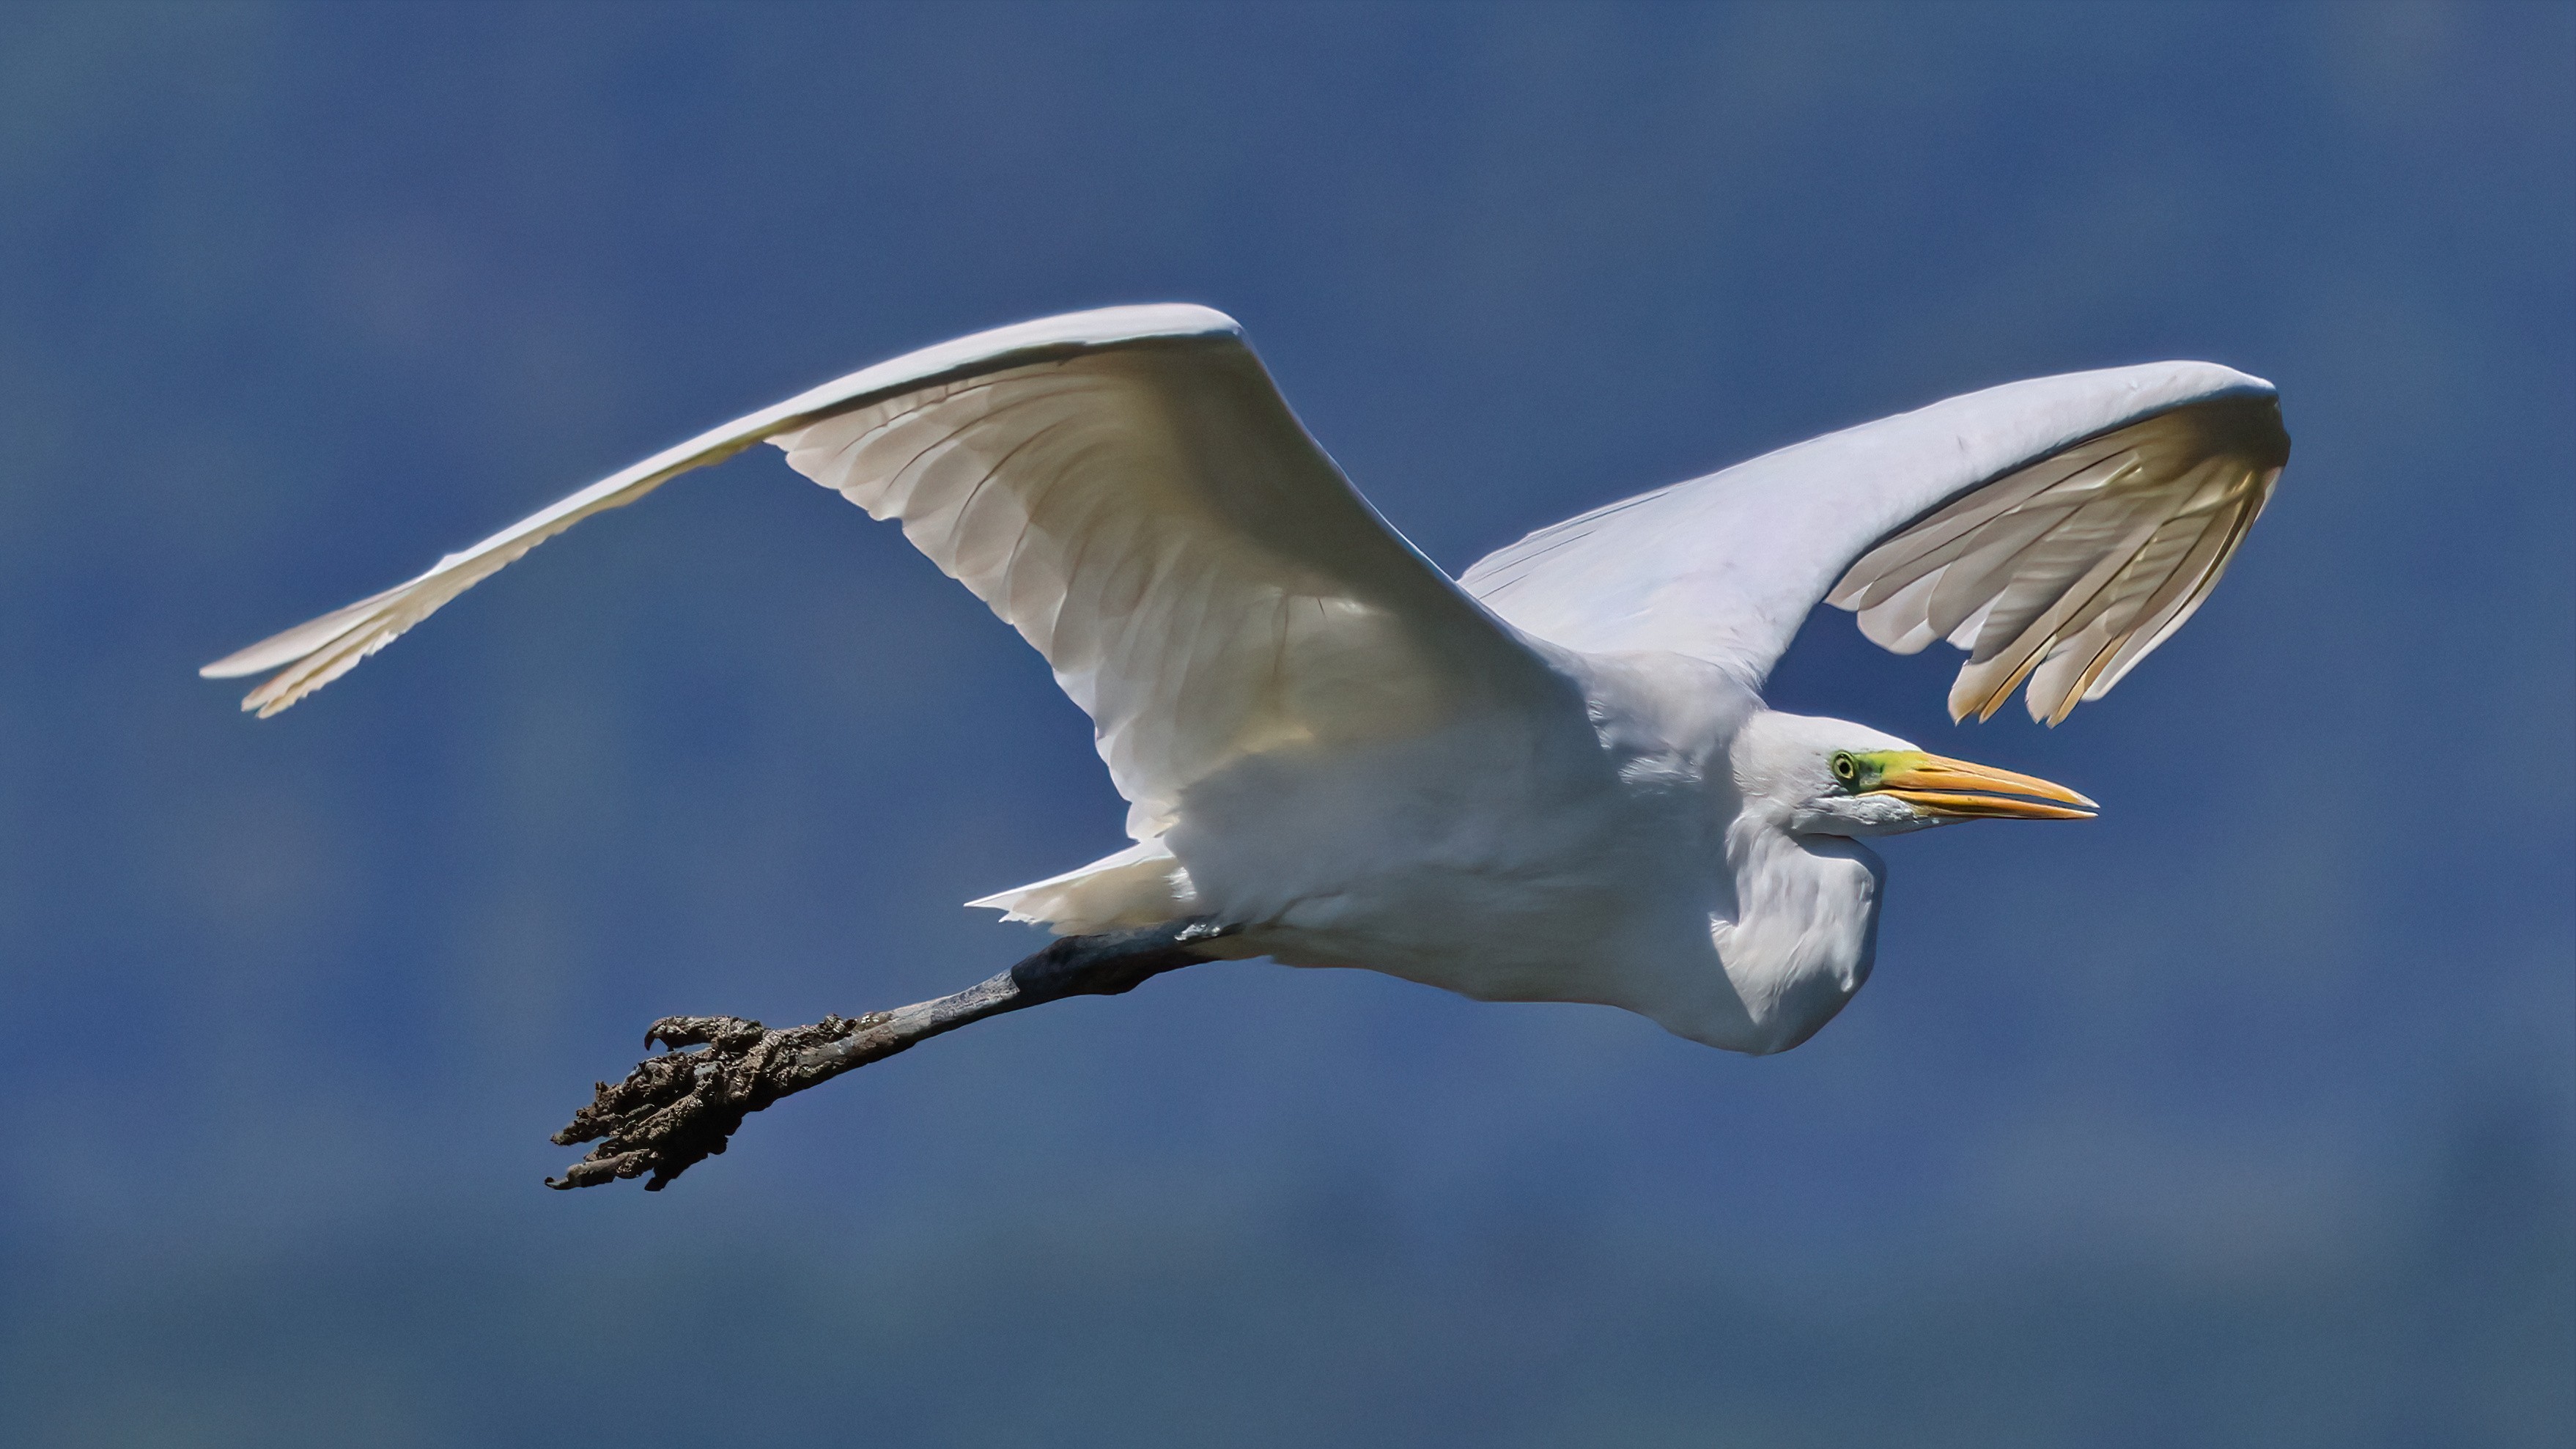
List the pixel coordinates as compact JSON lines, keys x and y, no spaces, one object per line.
{"x":1958,"y":788}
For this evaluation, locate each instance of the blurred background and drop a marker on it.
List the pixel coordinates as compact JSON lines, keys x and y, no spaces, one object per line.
{"x":2246,"y":1116}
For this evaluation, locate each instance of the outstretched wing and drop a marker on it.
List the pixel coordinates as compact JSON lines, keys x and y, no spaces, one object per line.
{"x":2057,"y":529}
{"x":1126,"y":488}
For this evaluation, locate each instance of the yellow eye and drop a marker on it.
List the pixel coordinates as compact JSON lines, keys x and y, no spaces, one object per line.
{"x":1846,"y":769}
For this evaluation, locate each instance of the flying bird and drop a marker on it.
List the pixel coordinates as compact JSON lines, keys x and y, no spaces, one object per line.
{"x":1551,"y":778}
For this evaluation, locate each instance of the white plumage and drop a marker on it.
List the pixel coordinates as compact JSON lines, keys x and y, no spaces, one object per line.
{"x":1552,"y":778}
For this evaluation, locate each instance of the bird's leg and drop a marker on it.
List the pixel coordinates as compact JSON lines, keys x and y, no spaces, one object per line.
{"x":676,"y":1109}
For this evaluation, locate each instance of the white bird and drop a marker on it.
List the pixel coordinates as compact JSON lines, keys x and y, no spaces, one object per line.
{"x":1551,"y":778}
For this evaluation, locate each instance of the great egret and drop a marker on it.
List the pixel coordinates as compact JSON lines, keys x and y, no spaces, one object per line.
{"x":1550,"y":779}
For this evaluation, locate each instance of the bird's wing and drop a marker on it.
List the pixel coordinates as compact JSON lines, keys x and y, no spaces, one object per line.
{"x":1127,"y":489}
{"x":2057,"y":529}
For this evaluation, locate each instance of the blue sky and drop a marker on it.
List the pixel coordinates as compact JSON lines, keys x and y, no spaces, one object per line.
{"x":2242,"y":1116}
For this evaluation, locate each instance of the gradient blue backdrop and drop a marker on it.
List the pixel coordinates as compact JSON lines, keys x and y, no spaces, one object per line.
{"x":2240,"y":1117}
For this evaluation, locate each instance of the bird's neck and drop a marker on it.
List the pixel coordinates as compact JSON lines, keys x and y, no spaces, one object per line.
{"x":1804,"y":930}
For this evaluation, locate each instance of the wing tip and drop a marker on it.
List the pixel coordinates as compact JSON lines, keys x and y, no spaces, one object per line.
{"x":275,"y":651}
{"x":233,"y":665}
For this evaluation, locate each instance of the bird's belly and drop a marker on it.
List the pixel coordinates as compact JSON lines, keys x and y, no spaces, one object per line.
{"x":1492,"y":939}
{"x":1592,"y":917}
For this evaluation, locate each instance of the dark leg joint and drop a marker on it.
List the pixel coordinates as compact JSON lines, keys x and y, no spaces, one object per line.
{"x":1113,"y":962}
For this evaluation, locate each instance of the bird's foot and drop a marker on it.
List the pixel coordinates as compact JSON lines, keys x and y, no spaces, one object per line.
{"x":677,"y":1109}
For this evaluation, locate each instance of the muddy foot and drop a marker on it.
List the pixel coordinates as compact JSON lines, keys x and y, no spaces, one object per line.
{"x":677,"y":1109}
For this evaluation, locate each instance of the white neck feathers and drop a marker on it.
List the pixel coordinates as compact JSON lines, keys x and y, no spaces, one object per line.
{"x":1805,"y":929}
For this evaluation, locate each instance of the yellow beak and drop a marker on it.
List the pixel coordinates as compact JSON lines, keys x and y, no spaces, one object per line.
{"x":1957,"y":788}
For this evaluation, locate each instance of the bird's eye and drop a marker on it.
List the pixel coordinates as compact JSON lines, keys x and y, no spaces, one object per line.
{"x":1846,"y":769}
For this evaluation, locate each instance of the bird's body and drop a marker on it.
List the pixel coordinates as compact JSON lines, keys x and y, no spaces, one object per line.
{"x":1594,"y":848}
{"x":1553,"y":778}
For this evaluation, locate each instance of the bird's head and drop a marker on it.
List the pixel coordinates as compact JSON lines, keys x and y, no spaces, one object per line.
{"x":1832,"y":777}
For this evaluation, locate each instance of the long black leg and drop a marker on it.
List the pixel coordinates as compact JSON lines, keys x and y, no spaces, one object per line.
{"x":677,"y":1109}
